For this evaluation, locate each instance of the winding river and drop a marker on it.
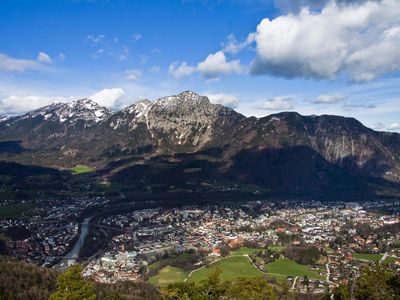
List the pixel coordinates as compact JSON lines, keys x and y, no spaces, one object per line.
{"x":73,"y":255}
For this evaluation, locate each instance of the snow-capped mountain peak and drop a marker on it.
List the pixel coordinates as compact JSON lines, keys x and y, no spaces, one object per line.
{"x":71,"y":112}
{"x":184,"y":99}
{"x":3,"y":118}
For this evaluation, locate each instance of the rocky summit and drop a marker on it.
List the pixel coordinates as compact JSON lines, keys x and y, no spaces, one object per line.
{"x":194,"y":140}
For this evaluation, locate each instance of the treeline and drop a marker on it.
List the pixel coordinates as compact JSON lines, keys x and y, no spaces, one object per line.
{"x":185,"y":261}
{"x":305,"y":255}
{"x":375,"y":283}
{"x":21,"y":281}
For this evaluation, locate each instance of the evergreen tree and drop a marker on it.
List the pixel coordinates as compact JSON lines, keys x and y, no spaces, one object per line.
{"x":71,"y":286}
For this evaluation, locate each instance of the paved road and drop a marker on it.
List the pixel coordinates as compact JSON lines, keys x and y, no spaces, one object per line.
{"x":294,"y":283}
{"x":384,"y":257}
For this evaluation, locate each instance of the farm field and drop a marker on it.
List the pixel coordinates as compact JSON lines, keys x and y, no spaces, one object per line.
{"x":231,"y":267}
{"x":15,"y":210}
{"x":288,"y":267}
{"x":368,"y":256}
{"x":168,"y":275}
{"x":80,"y":169}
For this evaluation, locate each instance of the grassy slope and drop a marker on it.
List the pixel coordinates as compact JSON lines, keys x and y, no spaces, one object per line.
{"x":367,"y":256}
{"x":168,"y":275}
{"x":231,"y":267}
{"x":80,"y":169}
{"x":288,"y":267}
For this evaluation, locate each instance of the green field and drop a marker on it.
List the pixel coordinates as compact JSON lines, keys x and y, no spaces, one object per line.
{"x":231,"y":267}
{"x":80,"y":169}
{"x":15,"y":210}
{"x":168,"y":275}
{"x":288,"y":267}
{"x":245,"y":250}
{"x":391,"y":259}
{"x":368,"y":256}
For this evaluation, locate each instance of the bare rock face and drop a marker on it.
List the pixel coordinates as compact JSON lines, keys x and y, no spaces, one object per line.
{"x":185,"y":120}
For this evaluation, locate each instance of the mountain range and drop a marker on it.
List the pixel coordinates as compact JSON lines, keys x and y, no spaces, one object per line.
{"x":185,"y":142}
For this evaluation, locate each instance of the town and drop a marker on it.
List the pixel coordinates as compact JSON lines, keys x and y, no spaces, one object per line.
{"x":312,"y":246}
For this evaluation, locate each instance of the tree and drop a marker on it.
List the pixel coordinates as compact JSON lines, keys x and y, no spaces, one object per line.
{"x":246,"y":288}
{"x":71,"y":286}
{"x":306,"y":281}
{"x":213,"y":287}
{"x":377,"y":283}
{"x":182,"y":291}
{"x":341,"y":293}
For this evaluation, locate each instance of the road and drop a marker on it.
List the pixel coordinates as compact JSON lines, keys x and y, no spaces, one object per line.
{"x":294,"y":283}
{"x":384,"y":257}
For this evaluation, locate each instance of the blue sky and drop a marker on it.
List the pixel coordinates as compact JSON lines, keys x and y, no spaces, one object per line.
{"x":258,"y":56}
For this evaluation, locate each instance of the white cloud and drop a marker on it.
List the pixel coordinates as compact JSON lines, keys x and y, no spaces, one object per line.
{"x":329,"y":99}
{"x":296,"y":5}
{"x":214,"y":65}
{"x":232,"y":45}
{"x":133,"y":74}
{"x":136,"y":37}
{"x":20,"y":104}
{"x":379,"y":126}
{"x":143,"y":58}
{"x":98,"y":53}
{"x":95,"y":38}
{"x":360,"y":40}
{"x":217,"y":64}
{"x":9,"y":64}
{"x":61,"y":56}
{"x":350,"y":106}
{"x":124,"y":54}
{"x":223,"y":99}
{"x":44,"y":58}
{"x":155,"y":69}
{"x":277,"y":103}
{"x":179,"y":70}
{"x":394,"y":126}
{"x":108,"y":97}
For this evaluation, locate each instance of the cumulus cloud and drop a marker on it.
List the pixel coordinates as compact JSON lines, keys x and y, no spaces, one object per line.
{"x":232,"y":45}
{"x":14,"y":105}
{"x":217,"y":64}
{"x":277,"y":103}
{"x":328,"y":99}
{"x":296,"y":5}
{"x":181,"y":69}
{"x":361,"y":41}
{"x":133,"y":74}
{"x":213,"y":66}
{"x":44,"y":58}
{"x":223,"y":99}
{"x":108,"y":97}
